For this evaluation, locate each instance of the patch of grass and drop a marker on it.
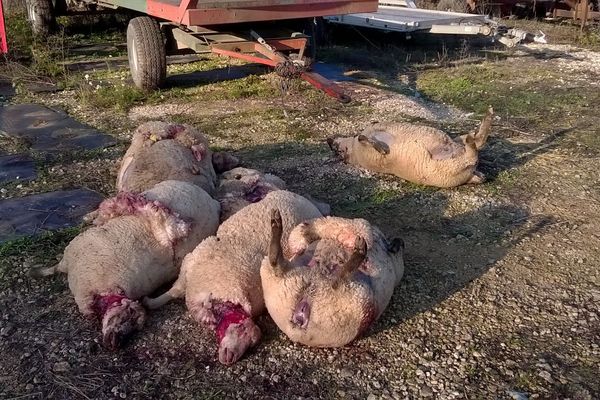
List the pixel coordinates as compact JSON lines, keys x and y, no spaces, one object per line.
{"x":298,"y":132}
{"x":510,"y":92}
{"x":251,"y":86}
{"x":39,"y":249}
{"x":39,"y":244}
{"x":18,"y":35}
{"x":526,"y":381}
{"x":119,"y":98}
{"x":504,"y":180}
{"x":382,"y":195}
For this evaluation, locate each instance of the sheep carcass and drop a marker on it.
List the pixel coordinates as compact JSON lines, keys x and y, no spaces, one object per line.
{"x":220,"y":279}
{"x":242,"y":186}
{"x":419,"y":154}
{"x":340,"y":279}
{"x":136,"y":246}
{"x":160,"y":151}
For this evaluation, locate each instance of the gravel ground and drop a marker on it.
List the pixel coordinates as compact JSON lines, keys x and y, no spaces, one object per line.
{"x":500,"y":297}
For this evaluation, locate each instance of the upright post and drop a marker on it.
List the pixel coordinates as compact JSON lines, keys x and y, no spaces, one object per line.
{"x":3,"y":43}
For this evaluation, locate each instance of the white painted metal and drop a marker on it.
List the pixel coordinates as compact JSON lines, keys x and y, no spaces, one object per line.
{"x":398,"y":18}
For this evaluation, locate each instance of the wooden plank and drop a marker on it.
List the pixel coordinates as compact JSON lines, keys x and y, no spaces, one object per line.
{"x":217,"y":16}
{"x":204,"y":4}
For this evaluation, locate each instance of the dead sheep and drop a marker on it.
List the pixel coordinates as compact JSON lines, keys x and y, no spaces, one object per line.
{"x":220,"y":279}
{"x":339,"y":280}
{"x":419,"y":154}
{"x":242,"y":186}
{"x":136,"y":246}
{"x":161,"y":151}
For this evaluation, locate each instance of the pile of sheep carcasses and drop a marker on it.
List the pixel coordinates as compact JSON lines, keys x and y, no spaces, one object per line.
{"x":235,"y":242}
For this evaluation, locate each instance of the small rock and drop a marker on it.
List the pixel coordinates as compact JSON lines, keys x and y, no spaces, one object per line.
{"x":62,"y":366}
{"x":29,"y":387}
{"x":545,"y":375}
{"x":376,"y":385}
{"x":426,"y":391}
{"x":371,"y":397}
{"x":345,"y":373}
{"x":517,"y":395}
{"x":7,"y":330}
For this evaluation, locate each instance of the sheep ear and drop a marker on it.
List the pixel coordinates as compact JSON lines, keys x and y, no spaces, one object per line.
{"x":395,"y":245}
{"x":378,"y":145}
{"x":223,"y":161}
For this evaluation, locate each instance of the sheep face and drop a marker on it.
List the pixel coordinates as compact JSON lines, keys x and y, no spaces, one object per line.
{"x":341,"y":147}
{"x":120,"y":318}
{"x":236,"y":333}
{"x":242,"y":186}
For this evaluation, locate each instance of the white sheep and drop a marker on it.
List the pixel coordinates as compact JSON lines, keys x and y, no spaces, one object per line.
{"x":161,"y":151}
{"x":220,"y":279}
{"x":420,"y":154}
{"x":242,"y":186}
{"x":338,"y":281}
{"x":136,"y":246}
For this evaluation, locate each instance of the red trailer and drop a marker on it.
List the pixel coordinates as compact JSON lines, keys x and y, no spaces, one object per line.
{"x":3,"y":42}
{"x":168,"y":26}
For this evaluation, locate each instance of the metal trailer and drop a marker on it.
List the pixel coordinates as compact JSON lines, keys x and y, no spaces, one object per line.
{"x":403,"y":16}
{"x":170,"y":26}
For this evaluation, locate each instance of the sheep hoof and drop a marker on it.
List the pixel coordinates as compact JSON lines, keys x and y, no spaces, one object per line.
{"x":477,"y":178}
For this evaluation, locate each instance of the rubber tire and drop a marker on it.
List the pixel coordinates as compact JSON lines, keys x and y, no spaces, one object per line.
{"x":40,"y":14}
{"x":146,"y":50}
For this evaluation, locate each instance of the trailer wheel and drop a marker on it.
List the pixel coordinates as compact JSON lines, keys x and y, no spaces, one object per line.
{"x":41,"y":16}
{"x":146,"y":52}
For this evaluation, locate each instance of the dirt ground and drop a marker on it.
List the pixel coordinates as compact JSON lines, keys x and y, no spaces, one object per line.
{"x":501,"y":293}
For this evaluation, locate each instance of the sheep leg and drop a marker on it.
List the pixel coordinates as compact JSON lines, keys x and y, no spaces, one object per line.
{"x":276,"y":259}
{"x":359,"y":253}
{"x":91,"y":216}
{"x":122,"y":176}
{"x":42,"y":272}
{"x":476,"y":179}
{"x":485,"y":129}
{"x":176,"y":292}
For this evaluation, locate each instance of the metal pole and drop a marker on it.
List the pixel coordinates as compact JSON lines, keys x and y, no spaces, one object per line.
{"x":3,"y":43}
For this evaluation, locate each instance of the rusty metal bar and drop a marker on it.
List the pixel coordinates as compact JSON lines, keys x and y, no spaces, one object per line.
{"x":243,"y":56}
{"x":331,"y":88}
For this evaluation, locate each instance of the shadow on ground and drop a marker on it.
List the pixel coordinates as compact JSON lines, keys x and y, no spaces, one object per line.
{"x":445,"y":249}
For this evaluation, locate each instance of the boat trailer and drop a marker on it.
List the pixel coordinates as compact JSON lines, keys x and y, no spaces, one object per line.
{"x":404,"y":16}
